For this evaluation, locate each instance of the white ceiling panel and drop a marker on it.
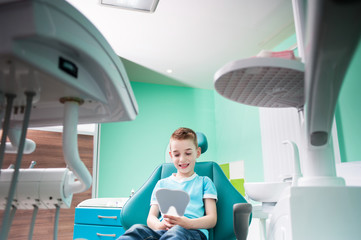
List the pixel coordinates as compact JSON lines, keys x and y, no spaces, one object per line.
{"x":194,"y":38}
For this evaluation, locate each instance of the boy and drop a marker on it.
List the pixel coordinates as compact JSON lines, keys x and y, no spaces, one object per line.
{"x":201,"y":212}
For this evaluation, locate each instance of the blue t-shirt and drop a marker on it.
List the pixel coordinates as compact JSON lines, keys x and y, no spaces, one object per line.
{"x":198,"y":188}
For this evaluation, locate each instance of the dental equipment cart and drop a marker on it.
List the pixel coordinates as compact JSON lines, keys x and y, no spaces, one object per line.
{"x":56,"y":68}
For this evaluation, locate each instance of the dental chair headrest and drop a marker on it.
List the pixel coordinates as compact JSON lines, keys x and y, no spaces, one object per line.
{"x":202,"y":142}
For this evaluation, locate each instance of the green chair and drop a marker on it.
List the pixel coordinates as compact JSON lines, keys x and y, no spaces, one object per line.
{"x":233,"y":211}
{"x":137,"y":207}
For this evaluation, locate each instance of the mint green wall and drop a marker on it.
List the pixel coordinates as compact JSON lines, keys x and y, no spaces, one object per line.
{"x":239,"y":136}
{"x":348,"y":112}
{"x":130,"y":151}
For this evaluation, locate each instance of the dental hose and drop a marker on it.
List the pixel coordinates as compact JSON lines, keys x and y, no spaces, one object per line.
{"x":33,"y":218}
{"x":7,"y":214}
{"x":12,"y":214}
{"x":9,"y":105}
{"x":56,"y":222}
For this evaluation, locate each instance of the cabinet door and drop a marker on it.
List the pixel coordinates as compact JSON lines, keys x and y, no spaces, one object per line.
{"x":95,"y":232}
{"x":98,"y":216}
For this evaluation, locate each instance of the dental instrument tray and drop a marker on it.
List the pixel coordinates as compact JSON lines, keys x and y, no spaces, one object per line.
{"x":262,"y":82}
{"x":50,"y":49}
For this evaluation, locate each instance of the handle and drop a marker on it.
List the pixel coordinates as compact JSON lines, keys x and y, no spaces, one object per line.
{"x":109,"y":217}
{"x":106,"y":235}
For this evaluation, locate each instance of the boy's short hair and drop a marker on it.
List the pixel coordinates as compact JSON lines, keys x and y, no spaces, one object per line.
{"x":185,"y":133}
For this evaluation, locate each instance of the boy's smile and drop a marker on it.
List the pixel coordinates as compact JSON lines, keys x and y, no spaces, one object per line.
{"x":183,"y":166}
{"x":184,"y":154}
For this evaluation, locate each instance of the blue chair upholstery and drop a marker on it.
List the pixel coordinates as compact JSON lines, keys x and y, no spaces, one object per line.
{"x":136,"y":209}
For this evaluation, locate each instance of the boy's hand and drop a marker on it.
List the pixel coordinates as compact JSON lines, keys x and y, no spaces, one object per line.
{"x":161,"y":226}
{"x":170,"y":221}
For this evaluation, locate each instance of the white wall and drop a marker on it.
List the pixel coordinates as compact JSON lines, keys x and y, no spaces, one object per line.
{"x":278,"y":125}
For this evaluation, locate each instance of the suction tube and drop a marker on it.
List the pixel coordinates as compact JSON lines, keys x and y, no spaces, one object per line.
{"x":70,"y":150}
{"x":56,"y":222}
{"x":33,"y":218}
{"x":13,"y":145}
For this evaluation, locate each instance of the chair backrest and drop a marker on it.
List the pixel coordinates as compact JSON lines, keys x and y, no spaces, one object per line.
{"x":136,"y":209}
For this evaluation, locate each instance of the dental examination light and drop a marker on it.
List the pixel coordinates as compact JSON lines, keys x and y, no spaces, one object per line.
{"x":55,"y":69}
{"x":262,"y":82}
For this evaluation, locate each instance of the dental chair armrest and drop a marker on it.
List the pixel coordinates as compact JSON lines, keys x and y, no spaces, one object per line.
{"x":241,"y":218}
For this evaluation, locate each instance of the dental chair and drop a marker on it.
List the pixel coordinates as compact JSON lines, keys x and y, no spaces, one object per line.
{"x":233,"y":211}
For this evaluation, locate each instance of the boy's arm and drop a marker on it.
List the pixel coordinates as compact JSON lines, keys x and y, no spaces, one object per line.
{"x":152,"y":220}
{"x":209,"y":220}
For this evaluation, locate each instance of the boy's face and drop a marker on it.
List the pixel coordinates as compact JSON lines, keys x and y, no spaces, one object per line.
{"x":184,"y":154}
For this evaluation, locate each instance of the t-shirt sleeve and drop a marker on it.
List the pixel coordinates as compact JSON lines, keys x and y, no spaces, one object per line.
{"x":209,"y":189}
{"x":153,"y":199}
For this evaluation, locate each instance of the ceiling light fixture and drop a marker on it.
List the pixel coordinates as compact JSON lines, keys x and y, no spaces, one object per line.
{"x":169,"y":70}
{"x":139,"y":5}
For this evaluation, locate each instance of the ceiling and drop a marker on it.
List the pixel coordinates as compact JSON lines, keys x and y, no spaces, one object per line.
{"x":193,"y":38}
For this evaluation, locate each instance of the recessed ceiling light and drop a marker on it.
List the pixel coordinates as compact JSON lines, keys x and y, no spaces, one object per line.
{"x":169,"y":70}
{"x":140,"y":5}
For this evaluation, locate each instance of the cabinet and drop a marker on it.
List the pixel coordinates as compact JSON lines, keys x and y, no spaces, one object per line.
{"x":97,"y":223}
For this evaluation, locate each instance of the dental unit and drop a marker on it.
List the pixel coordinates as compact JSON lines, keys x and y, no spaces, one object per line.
{"x":55,"y":69}
{"x":318,"y":202}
